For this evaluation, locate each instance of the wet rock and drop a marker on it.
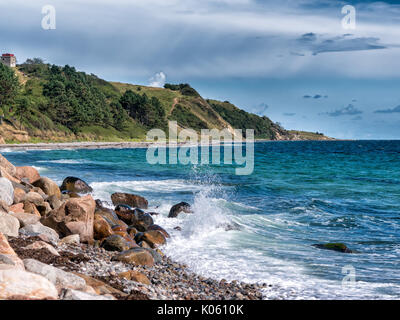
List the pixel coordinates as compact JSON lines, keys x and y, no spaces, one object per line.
{"x":9,"y":225}
{"x":72,"y":239}
{"x":25,"y":218}
{"x":135,"y":256}
{"x":70,"y":294}
{"x":6,"y":191}
{"x":25,"y":285}
{"x":42,"y":245}
{"x":29,"y":173}
{"x":141,"y":220}
{"x":115,"y":243}
{"x":156,"y":254}
{"x":101,"y":228}
{"x":144,"y":244}
{"x":58,"y":277}
{"x":158,"y":228}
{"x":75,"y":216}
{"x":132,"y":231}
{"x":7,"y":166}
{"x":178,"y":228}
{"x":129,"y":199}
{"x":153,"y":237}
{"x":135,"y":276}
{"x":178,"y":208}
{"x":73,"y":184}
{"x":340,"y":247}
{"x":48,"y":186}
{"x":39,"y":229}
{"x":107,"y":214}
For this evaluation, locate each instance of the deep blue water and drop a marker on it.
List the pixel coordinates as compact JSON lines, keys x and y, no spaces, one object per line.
{"x":300,"y":193}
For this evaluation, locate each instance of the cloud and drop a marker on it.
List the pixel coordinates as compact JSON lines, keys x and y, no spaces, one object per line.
{"x":394,"y":110}
{"x":289,"y":114}
{"x":316,"y":96}
{"x":350,"y":110}
{"x":158,"y":80}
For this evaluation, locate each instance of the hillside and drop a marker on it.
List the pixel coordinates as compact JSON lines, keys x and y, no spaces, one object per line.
{"x":48,"y":103}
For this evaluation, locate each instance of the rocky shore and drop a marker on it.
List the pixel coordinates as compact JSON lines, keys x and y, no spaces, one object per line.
{"x":57,"y":242}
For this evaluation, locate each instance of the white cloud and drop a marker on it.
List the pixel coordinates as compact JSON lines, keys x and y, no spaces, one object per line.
{"x":158,"y":80}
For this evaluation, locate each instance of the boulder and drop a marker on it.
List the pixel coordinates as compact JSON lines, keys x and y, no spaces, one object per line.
{"x":19,"y":195}
{"x":17,"y":208}
{"x":140,"y":220}
{"x":72,"y":239}
{"x":25,"y":218}
{"x":9,"y":258}
{"x":29,"y":173}
{"x":23,"y":285}
{"x":56,"y":276}
{"x":101,"y":228}
{"x":37,"y":245}
{"x":129,"y":199}
{"x":29,"y":207}
{"x":9,"y":225}
{"x":38,"y":229}
{"x":4,"y":207}
{"x":75,"y":216}
{"x":134,"y":276}
{"x":135,"y":256}
{"x":107,"y":214}
{"x":158,"y":228}
{"x":115,"y":242}
{"x":70,"y":294}
{"x":6,"y":191}
{"x":99,"y":286}
{"x":178,"y":208}
{"x":73,"y":184}
{"x":8,"y":166}
{"x":156,"y":254}
{"x":34,"y":198}
{"x":48,"y":186}
{"x":340,"y":247}
{"x":153,"y":237}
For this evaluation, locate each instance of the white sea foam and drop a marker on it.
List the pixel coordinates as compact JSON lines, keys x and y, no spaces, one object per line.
{"x":65,"y":161}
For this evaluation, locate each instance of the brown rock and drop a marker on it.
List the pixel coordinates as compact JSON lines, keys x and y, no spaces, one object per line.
{"x":31,"y":208}
{"x":8,"y":253}
{"x":158,"y":228}
{"x":108,"y":214}
{"x":4,"y":207}
{"x":135,"y":256}
{"x":153,"y":237}
{"x":115,"y":242}
{"x":48,"y":186}
{"x":101,"y":228}
{"x":5,"y":174}
{"x":129,"y":199}
{"x":25,"y":218}
{"x":99,"y":286}
{"x":74,"y":184}
{"x":132,"y":231}
{"x":42,"y":245}
{"x":54,"y":202}
{"x":17,"y":208}
{"x":75,"y":216}
{"x":19,"y":195}
{"x":29,"y":173}
{"x":134,"y":276}
{"x":34,"y":198}
{"x":8,"y":166}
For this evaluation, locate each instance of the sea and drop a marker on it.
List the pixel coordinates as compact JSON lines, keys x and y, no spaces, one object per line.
{"x":300,"y":193}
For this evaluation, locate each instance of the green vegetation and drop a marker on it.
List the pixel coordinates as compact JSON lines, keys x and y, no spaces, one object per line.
{"x":53,"y":103}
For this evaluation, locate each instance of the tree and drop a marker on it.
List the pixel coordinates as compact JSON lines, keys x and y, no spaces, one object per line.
{"x":21,"y":109}
{"x":9,"y":86}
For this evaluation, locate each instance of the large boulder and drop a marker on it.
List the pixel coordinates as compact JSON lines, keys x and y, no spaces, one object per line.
{"x":9,"y":225}
{"x":19,"y":195}
{"x":153,"y":237}
{"x":101,"y":228}
{"x":29,"y":173}
{"x":8,"y":257}
{"x":132,"y":200}
{"x":56,"y":276}
{"x":340,"y":247}
{"x":6,"y":191}
{"x":108,"y":214}
{"x":34,"y":198}
{"x":73,"y":184}
{"x":135,"y":256}
{"x":22,"y":285}
{"x":5,"y":174}
{"x":25,"y":218}
{"x":158,"y":228}
{"x":115,"y":242}
{"x":48,"y":186}
{"x":178,"y":208}
{"x":8,"y":166}
{"x":39,"y":229}
{"x":75,"y":216}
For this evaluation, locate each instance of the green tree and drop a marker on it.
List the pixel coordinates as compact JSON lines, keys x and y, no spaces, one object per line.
{"x":9,"y":87}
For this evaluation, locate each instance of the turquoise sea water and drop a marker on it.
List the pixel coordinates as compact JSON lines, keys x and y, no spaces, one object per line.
{"x":300,"y":193}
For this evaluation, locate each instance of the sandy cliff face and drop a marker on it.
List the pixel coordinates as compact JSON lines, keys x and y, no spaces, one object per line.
{"x":9,"y":132}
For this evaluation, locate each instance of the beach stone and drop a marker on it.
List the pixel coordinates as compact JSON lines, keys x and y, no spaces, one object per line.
{"x":17,"y":208}
{"x":8,"y":256}
{"x":340,"y":247}
{"x":7,"y":166}
{"x":141,"y":220}
{"x":75,"y":216}
{"x":25,"y":218}
{"x":115,"y":242}
{"x":30,"y":173}
{"x":54,"y":202}
{"x":37,"y":245}
{"x":132,"y":231}
{"x":178,"y":208}
{"x":129,"y":199}
{"x":44,"y":209}
{"x":99,"y":286}
{"x":58,"y":277}
{"x":39,"y":229}
{"x":158,"y":228}
{"x":15,"y":283}
{"x":135,"y":256}
{"x":73,"y":184}
{"x":48,"y":186}
{"x":70,"y":294}
{"x":6,"y":191}
{"x":134,"y":276}
{"x":101,"y":228}
{"x":144,"y":244}
{"x":9,"y":225}
{"x":156,"y":254}
{"x":153,"y":237}
{"x":19,"y":195}
{"x":72,"y":239}
{"x":108,"y":214}
{"x":34,"y":198}
{"x":29,"y":207}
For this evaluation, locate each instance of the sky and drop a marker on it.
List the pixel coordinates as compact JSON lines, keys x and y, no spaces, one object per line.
{"x":295,"y":61}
